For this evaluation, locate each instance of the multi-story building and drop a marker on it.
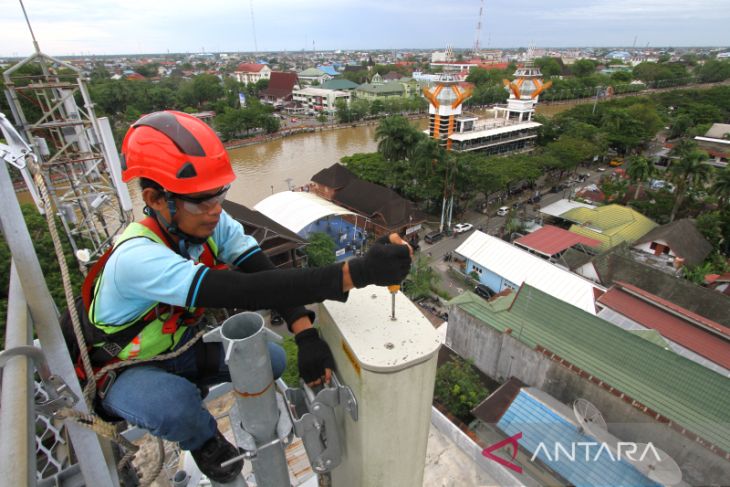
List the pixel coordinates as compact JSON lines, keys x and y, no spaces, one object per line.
{"x":319,"y":99}
{"x":251,"y":73}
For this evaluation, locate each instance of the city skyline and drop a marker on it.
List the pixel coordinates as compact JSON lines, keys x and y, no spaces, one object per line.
{"x":133,"y":27}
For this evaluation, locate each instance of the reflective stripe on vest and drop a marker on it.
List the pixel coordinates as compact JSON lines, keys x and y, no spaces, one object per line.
{"x":164,"y":332}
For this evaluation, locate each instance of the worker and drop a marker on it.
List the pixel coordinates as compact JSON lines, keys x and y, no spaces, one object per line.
{"x":189,"y":254}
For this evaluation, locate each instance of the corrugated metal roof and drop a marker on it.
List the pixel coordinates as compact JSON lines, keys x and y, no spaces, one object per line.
{"x":561,"y":206}
{"x":610,"y":224}
{"x":541,"y":424}
{"x":549,"y":240}
{"x":683,"y":391}
{"x":669,"y":324}
{"x":518,"y":266}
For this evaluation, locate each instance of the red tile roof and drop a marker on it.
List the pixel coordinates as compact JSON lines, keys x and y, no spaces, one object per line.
{"x":673,"y":322}
{"x":281,"y":84}
{"x":550,"y":240}
{"x":250,"y":67}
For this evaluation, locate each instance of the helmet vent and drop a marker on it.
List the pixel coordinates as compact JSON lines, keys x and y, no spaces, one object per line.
{"x":169,"y":125}
{"x":187,"y":171}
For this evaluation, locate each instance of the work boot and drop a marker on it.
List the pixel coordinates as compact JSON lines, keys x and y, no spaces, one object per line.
{"x":214,"y":452}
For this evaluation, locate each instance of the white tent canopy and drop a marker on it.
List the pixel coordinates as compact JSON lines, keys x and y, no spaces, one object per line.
{"x":296,"y":210}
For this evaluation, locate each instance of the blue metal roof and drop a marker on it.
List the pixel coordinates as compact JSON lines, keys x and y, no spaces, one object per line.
{"x":329,"y":70}
{"x":540,"y":423}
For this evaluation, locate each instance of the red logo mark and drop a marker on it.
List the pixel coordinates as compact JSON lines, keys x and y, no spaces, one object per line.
{"x":512,"y":440}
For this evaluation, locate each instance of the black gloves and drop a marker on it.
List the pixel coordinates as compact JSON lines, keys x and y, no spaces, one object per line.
{"x":383,"y":265}
{"x":314,"y":355}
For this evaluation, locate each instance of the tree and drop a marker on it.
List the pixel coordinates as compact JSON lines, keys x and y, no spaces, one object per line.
{"x":689,"y":171}
{"x":43,"y":246}
{"x":721,"y":185}
{"x":639,"y":170}
{"x":396,"y":138}
{"x":550,"y":66}
{"x":420,"y":279}
{"x":571,"y":151}
{"x":458,"y":388}
{"x":321,"y":250}
{"x":583,"y":68}
{"x":713,"y":71}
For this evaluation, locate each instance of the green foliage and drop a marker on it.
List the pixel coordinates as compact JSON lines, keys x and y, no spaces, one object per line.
{"x":688,"y":173}
{"x":235,"y":122}
{"x":291,"y":372}
{"x":321,"y":250}
{"x":458,"y":388}
{"x":639,"y":170}
{"x":713,"y":71}
{"x":583,"y":68}
{"x":571,"y":151}
{"x":657,"y":205}
{"x":43,"y":245}
{"x":420,"y":280}
{"x":397,"y":138}
{"x":550,"y":66}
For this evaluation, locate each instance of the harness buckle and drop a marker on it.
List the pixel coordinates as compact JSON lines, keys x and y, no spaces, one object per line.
{"x":102,"y":387}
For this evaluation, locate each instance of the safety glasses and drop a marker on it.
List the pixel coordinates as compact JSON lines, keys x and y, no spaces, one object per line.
{"x":202,"y":204}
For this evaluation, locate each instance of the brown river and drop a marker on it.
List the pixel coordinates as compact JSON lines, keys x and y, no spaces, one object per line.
{"x":274,"y":166}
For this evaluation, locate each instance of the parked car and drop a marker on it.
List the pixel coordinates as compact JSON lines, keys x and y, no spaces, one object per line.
{"x":534,"y":199}
{"x":616,"y":163}
{"x":503,"y":211}
{"x":433,"y":237}
{"x":462,"y":227}
{"x":601,"y":169}
{"x":484,"y":291}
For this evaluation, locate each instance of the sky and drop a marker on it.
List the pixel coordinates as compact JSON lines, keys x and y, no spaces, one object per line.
{"x":83,"y":27}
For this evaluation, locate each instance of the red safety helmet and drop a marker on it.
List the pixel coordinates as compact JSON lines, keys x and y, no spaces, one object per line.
{"x":177,"y":151}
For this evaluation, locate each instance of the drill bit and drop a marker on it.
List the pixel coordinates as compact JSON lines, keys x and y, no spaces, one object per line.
{"x":393,"y":290}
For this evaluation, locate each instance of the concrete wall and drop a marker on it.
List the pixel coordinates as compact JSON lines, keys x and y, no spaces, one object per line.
{"x":502,"y":356}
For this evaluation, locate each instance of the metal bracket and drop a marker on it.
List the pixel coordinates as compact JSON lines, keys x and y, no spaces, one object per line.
{"x":17,"y":149}
{"x":59,"y":394}
{"x":315,"y":423}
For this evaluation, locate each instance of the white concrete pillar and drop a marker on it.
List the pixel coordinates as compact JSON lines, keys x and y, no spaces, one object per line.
{"x":391,"y":368}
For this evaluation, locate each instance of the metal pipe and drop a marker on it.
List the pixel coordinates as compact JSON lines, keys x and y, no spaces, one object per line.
{"x":17,"y":443}
{"x":247,"y":356}
{"x":97,"y":469}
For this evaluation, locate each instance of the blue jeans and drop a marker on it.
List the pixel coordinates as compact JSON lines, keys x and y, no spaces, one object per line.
{"x":165,"y":399}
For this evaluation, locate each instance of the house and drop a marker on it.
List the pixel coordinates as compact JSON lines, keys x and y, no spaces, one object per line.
{"x":281,"y":86}
{"x":330,"y":70}
{"x":247,"y":73}
{"x":551,"y":242}
{"x":674,"y":245}
{"x":646,"y":393}
{"x":339,"y":85}
{"x":695,"y":337}
{"x":278,"y":242}
{"x":619,"y":265}
{"x":716,"y":142}
{"x":501,"y":265}
{"x":313,"y":76}
{"x":610,"y":224}
{"x":384,"y":210}
{"x":319,"y":99}
{"x":719,"y":282}
{"x":378,"y":89}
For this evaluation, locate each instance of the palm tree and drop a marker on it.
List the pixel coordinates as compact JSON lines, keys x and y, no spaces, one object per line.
{"x":639,"y":170}
{"x":721,"y":186}
{"x":396,"y":138}
{"x":689,"y":171}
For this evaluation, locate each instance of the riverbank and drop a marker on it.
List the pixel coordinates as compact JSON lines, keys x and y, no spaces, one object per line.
{"x":303,"y":129}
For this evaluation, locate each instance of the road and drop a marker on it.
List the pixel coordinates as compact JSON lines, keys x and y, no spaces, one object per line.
{"x":491,"y":225}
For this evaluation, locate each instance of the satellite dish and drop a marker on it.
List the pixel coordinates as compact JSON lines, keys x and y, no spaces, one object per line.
{"x":589,"y":418}
{"x":657,"y":465}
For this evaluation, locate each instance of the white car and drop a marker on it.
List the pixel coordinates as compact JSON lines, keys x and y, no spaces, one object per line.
{"x":462,"y":227}
{"x":503,"y":211}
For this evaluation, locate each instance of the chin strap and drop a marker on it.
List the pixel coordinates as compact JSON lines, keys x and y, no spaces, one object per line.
{"x":185,"y":239}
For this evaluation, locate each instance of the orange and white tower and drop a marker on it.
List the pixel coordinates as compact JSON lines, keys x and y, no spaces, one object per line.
{"x":445,"y":104}
{"x":523,"y":93}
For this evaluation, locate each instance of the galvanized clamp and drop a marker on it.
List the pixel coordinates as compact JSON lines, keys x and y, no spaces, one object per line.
{"x":314,"y":421}
{"x":59,"y":394}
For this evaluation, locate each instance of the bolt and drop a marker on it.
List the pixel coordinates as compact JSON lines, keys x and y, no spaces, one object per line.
{"x":389,"y":346}
{"x":316,"y":407}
